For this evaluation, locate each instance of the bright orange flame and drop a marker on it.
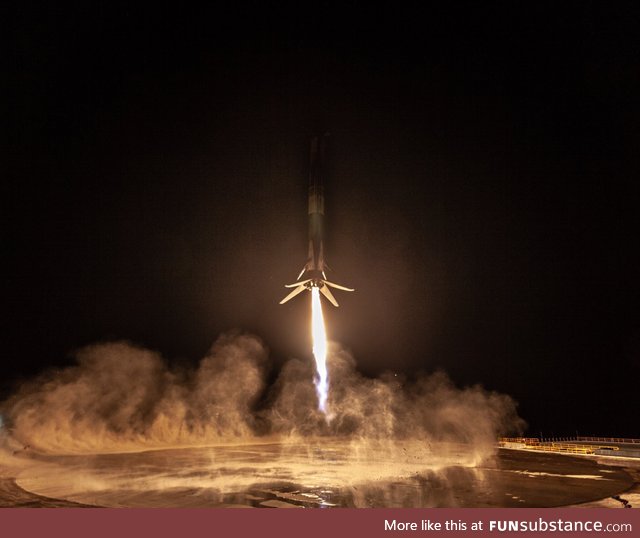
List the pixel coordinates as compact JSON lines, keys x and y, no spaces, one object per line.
{"x":319,"y":340}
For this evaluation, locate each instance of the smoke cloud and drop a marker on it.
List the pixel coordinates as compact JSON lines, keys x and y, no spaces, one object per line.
{"x":121,"y":397}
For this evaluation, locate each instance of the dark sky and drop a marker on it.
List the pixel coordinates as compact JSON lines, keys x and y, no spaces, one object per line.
{"x":481,"y":197}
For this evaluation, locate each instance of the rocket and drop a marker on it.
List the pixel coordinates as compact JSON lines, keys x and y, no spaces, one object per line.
{"x":313,"y":273}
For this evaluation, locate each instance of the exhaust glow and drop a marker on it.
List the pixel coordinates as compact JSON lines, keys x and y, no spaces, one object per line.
{"x":319,"y":340}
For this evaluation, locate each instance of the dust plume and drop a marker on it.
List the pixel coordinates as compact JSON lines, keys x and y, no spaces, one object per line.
{"x":121,"y":397}
{"x":390,"y":408}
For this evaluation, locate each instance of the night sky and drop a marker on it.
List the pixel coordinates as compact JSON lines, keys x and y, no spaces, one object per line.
{"x":481,"y":194}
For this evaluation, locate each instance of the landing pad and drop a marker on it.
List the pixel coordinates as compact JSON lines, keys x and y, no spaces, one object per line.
{"x":302,"y":475}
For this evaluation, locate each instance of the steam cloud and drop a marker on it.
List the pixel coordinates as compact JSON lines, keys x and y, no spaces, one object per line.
{"x":122,"y":397}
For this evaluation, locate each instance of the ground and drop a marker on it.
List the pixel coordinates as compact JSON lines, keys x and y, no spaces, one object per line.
{"x":320,"y":473}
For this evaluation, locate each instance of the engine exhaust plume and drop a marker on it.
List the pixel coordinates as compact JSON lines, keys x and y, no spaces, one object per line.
{"x":319,"y":339}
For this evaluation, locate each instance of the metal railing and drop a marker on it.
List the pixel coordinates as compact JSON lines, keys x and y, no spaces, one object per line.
{"x":621,"y":440}
{"x":576,"y":439}
{"x":531,"y":443}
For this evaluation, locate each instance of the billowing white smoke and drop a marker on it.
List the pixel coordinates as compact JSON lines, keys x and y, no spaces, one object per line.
{"x":123,"y":397}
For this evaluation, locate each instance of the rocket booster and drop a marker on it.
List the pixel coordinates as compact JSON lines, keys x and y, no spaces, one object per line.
{"x":313,"y":273}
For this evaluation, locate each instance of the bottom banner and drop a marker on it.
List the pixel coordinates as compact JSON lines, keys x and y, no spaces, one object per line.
{"x":441,"y":522}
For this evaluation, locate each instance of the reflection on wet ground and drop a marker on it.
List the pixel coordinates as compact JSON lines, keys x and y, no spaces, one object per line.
{"x":323,"y":474}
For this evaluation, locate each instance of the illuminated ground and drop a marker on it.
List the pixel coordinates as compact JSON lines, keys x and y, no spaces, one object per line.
{"x":327,"y":473}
